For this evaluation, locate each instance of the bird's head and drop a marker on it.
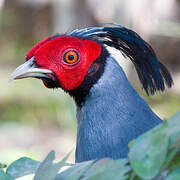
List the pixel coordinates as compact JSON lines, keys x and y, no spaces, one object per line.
{"x":60,"y":61}
{"x":76,"y":60}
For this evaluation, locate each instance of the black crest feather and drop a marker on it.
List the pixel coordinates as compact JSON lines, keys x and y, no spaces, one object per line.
{"x":152,"y":73}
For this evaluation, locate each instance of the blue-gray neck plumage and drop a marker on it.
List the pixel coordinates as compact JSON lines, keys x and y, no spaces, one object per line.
{"x":112,"y":115}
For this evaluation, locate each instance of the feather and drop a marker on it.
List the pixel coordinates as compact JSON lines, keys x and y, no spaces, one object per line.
{"x":152,"y":74}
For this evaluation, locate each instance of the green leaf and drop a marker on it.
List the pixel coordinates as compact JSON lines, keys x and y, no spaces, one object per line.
{"x":174,"y":163}
{"x":171,"y":155}
{"x":4,"y":176}
{"x":174,"y":175}
{"x":173,"y":130}
{"x":148,"y":153}
{"x":22,"y":167}
{"x":130,"y":144}
{"x":47,"y":169}
{"x":133,"y":176}
{"x":3,"y":165}
{"x":161,"y":141}
{"x":107,"y":169}
{"x":75,"y":172}
{"x":175,"y":118}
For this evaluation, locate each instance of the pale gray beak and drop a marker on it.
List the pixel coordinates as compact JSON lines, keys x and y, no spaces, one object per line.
{"x":29,"y":69}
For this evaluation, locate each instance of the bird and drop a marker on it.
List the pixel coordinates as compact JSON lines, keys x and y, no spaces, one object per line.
{"x":109,"y":111}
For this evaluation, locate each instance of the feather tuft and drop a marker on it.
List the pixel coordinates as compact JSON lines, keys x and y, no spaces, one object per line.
{"x":152,"y":74}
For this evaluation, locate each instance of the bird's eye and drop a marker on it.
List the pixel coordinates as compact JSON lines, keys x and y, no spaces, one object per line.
{"x":71,"y":57}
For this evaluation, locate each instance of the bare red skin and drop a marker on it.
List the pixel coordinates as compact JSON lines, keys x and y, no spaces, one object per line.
{"x":49,"y":54}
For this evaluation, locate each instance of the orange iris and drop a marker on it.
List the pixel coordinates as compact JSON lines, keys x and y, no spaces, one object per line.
{"x":71,"y":57}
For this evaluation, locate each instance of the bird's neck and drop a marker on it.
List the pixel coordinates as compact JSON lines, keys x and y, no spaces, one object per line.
{"x":112,"y":115}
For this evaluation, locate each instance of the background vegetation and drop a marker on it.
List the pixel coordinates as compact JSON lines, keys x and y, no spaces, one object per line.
{"x":161,"y":142}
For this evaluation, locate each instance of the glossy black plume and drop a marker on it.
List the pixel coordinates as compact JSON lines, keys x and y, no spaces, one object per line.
{"x":153,"y":74}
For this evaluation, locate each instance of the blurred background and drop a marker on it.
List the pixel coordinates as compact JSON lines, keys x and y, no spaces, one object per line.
{"x":33,"y":119}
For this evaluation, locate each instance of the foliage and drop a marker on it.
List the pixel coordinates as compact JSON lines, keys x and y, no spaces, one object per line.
{"x":33,"y":109}
{"x":154,"y":155}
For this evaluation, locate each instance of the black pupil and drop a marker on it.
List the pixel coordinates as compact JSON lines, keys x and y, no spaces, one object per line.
{"x":71,"y":57}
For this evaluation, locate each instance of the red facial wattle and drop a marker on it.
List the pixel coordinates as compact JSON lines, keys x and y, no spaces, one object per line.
{"x":50,"y":53}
